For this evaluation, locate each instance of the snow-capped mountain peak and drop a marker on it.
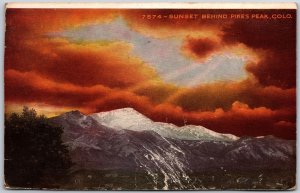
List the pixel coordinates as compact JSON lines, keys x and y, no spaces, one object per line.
{"x":164,"y":152}
{"x":121,"y":118}
{"x":130,"y":119}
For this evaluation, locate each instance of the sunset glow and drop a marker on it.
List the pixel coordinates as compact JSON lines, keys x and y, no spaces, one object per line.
{"x":221,"y":74}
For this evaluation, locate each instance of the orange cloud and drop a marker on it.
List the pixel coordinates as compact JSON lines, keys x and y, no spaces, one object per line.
{"x":222,"y":95}
{"x":156,"y":91}
{"x":38,"y":21}
{"x":74,"y":63}
{"x":61,"y":75}
{"x":239,"y":119}
{"x":31,"y":87}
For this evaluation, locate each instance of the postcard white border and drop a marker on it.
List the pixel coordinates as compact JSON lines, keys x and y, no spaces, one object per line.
{"x":2,"y":31}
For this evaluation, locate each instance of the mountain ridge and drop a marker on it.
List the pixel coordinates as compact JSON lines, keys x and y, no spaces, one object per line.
{"x":130,"y":119}
{"x":171,"y":162}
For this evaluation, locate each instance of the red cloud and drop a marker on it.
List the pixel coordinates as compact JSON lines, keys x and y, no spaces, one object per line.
{"x":223,"y":95}
{"x":200,"y":48}
{"x":277,"y":39}
{"x":31,"y":87}
{"x":81,"y":64}
{"x":92,"y":77}
{"x":239,"y":120}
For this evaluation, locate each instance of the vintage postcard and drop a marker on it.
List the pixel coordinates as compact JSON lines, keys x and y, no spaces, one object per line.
{"x":150,"y":96}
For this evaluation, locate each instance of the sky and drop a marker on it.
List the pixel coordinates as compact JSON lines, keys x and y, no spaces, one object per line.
{"x":233,"y":76}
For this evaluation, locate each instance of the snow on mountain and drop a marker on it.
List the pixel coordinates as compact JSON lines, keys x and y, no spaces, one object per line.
{"x":130,"y":119}
{"x":121,"y":118}
{"x":125,"y":140}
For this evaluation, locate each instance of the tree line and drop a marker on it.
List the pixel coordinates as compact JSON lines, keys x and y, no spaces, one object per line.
{"x":35,"y":155}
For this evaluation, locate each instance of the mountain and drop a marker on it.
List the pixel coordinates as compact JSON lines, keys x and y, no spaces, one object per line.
{"x":130,"y":119}
{"x":95,"y":146}
{"x":123,"y":149}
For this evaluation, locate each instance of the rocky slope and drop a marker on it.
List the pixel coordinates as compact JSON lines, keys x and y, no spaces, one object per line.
{"x":167,"y":156}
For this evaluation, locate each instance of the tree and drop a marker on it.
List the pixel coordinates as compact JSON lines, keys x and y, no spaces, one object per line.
{"x":34,"y":153}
